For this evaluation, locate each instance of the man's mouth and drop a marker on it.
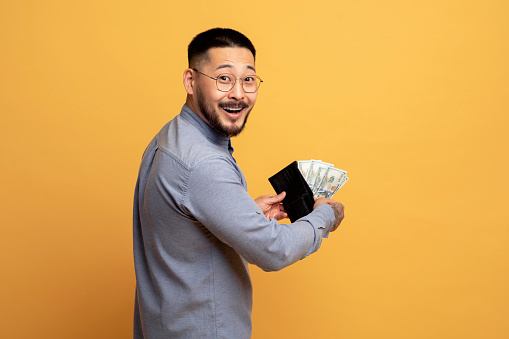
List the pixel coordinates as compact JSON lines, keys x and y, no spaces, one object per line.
{"x":233,"y":109}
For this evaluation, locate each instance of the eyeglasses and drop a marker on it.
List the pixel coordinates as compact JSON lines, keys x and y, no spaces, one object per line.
{"x":226,"y":81}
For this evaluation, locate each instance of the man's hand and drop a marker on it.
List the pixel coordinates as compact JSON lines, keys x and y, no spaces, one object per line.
{"x":337,"y":207}
{"x":271,"y":206}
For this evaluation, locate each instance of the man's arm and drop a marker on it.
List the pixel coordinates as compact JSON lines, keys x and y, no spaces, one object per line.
{"x":216,"y":197}
{"x":272,"y":207}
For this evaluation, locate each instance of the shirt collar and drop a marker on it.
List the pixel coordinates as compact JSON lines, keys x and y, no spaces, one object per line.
{"x":205,"y":129}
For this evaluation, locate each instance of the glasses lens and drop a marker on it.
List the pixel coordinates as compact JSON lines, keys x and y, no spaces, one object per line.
{"x":224,"y":82}
{"x":251,"y":83}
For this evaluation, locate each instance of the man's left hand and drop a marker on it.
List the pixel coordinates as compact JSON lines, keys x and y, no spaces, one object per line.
{"x":271,"y":206}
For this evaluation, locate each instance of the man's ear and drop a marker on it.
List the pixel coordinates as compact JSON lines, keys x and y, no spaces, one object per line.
{"x":189,"y":81}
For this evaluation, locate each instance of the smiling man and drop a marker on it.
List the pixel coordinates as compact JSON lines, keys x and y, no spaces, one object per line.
{"x":195,"y":227}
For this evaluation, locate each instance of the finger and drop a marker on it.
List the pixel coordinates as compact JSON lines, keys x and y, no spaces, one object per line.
{"x":281,"y":215}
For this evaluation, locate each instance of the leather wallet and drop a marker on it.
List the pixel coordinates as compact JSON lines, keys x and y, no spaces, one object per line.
{"x":299,"y":200}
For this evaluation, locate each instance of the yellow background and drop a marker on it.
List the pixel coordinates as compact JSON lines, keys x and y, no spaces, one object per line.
{"x":411,"y":97}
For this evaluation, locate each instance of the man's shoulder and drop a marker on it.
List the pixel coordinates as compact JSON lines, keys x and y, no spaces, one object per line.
{"x":181,"y":140}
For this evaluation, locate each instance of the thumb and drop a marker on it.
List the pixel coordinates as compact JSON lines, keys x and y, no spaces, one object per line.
{"x":278,"y":198}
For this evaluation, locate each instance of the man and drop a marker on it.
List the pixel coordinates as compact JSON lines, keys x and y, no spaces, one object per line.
{"x":195,"y":226}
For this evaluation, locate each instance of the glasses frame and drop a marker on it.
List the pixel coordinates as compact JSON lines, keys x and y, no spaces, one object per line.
{"x":234,"y":81}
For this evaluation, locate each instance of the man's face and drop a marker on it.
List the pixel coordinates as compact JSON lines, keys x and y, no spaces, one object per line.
{"x":225,"y":112}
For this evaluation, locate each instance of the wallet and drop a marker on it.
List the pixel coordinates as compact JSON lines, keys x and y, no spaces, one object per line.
{"x":299,"y":200}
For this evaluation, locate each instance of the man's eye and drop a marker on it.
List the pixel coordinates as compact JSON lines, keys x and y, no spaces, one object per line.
{"x":249,"y":79}
{"x":224,"y":78}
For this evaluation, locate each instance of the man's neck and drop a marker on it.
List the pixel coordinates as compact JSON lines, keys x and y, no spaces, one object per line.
{"x":190,"y":104}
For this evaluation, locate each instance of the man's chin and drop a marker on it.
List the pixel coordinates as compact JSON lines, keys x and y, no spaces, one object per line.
{"x":232,"y":125}
{"x":232,"y":129}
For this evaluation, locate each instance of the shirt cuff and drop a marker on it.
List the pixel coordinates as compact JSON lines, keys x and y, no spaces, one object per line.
{"x":322,"y":220}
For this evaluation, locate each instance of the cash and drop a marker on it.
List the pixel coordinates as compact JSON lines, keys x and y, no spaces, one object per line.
{"x":323,"y":178}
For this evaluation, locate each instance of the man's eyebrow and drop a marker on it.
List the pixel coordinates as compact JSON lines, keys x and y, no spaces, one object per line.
{"x":230,"y":66}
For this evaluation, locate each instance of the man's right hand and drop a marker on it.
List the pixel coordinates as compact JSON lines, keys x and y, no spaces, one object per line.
{"x":337,"y":207}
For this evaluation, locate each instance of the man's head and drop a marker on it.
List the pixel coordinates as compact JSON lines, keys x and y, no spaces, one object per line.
{"x":217,"y":54}
{"x":215,"y":38}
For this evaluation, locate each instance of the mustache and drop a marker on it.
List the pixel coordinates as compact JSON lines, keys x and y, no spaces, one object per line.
{"x":233,"y":104}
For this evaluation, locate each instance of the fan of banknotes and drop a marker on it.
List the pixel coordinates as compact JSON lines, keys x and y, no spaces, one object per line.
{"x":323,"y":179}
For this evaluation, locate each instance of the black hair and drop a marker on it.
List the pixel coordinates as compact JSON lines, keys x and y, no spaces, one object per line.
{"x":216,"y":37}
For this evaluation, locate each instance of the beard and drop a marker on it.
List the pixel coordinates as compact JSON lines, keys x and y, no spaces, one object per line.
{"x":212,"y":116}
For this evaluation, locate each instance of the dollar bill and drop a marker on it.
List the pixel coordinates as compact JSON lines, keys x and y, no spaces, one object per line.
{"x":331,"y":181}
{"x":310,"y":177}
{"x":304,"y":166}
{"x":321,"y":194}
{"x":321,"y":172}
{"x":316,"y":171}
{"x":323,"y":178}
{"x":345,"y":179}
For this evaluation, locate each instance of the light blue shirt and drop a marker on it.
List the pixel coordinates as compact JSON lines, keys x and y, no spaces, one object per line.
{"x":196,"y":229}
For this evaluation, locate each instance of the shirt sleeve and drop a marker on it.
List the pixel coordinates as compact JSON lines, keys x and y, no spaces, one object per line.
{"x":216,"y":197}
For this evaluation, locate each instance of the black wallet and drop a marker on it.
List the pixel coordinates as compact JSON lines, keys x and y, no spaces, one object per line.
{"x":299,"y":200}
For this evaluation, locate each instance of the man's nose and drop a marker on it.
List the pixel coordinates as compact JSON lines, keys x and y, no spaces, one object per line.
{"x":237,"y":92}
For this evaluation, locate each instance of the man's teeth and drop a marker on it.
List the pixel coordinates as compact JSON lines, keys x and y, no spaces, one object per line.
{"x":233,"y":110}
